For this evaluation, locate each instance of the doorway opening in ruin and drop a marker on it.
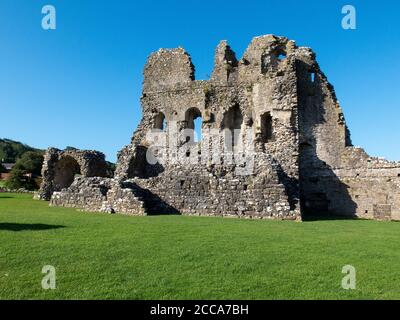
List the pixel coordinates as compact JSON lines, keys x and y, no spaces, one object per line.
{"x":65,"y":171}
{"x":231,"y":125}
{"x":160,"y":122}
{"x":144,"y":164}
{"x":137,"y":165}
{"x":194,"y":123}
{"x":267,"y":130}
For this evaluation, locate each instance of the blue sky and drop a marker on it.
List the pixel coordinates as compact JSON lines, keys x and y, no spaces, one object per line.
{"x":79,"y":85}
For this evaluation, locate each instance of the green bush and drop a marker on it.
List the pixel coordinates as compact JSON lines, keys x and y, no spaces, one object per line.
{"x":111,"y":169}
{"x":29,"y":163}
{"x":18,"y":180}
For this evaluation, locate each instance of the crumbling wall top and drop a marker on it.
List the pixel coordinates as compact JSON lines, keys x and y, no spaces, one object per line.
{"x":167,"y":69}
{"x":225,"y":64}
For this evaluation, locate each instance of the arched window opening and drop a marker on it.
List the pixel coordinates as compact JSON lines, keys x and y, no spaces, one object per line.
{"x":270,"y":60}
{"x":194,"y":124}
{"x":198,"y":123}
{"x":160,"y":122}
{"x":231,"y":124}
{"x":281,"y":55}
{"x":267,"y":130}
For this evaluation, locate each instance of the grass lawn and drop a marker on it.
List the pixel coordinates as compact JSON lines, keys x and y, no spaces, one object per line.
{"x":100,"y":256}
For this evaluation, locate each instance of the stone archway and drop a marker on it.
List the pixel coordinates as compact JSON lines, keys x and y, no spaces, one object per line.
{"x":64,"y":172}
{"x":60,"y":168}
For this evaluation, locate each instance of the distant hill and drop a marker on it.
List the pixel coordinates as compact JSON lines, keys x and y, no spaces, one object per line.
{"x":11,"y":151}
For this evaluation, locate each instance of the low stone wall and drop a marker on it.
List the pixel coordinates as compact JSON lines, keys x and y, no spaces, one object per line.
{"x":192,"y":193}
{"x":376,"y":192}
{"x":180,"y":194}
{"x":99,"y":195}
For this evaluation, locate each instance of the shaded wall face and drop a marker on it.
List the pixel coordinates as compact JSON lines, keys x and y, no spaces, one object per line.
{"x":336,"y":178}
{"x":321,"y":120}
{"x":374,"y":191}
{"x":322,"y":141}
{"x":374,"y":184}
{"x":64,"y":172}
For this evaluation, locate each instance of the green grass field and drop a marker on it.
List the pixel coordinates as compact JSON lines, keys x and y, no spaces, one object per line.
{"x":100,"y":256}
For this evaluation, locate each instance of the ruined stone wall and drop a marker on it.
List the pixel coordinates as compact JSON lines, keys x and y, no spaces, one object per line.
{"x":204,"y":192}
{"x":337,"y":178}
{"x":274,"y":145}
{"x":373,"y":184}
{"x":238,"y":96}
{"x":100,"y":195}
{"x":60,"y":167}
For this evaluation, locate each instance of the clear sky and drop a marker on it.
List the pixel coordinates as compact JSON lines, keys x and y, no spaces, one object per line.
{"x":79,"y":85}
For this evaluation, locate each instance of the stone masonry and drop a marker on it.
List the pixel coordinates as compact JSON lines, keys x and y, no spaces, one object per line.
{"x":60,"y":168}
{"x":273,"y":144}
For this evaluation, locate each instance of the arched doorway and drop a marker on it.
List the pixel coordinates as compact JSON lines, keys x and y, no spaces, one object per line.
{"x":64,"y":172}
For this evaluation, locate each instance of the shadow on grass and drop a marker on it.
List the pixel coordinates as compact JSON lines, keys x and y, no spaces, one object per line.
{"x":5,"y":197}
{"x":28,"y":226}
{"x":307,"y":218}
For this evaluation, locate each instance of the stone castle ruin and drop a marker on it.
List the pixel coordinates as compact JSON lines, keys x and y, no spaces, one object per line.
{"x":273,"y":144}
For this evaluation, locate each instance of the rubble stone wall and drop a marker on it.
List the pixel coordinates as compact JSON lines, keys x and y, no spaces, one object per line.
{"x":100,"y":195}
{"x":60,"y":168}
{"x":238,"y":96}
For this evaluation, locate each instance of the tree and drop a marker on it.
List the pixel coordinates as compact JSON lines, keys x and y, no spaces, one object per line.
{"x":11,"y":151}
{"x":111,"y":169}
{"x":18,"y":180}
{"x":69,"y":148}
{"x":30,"y":162}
